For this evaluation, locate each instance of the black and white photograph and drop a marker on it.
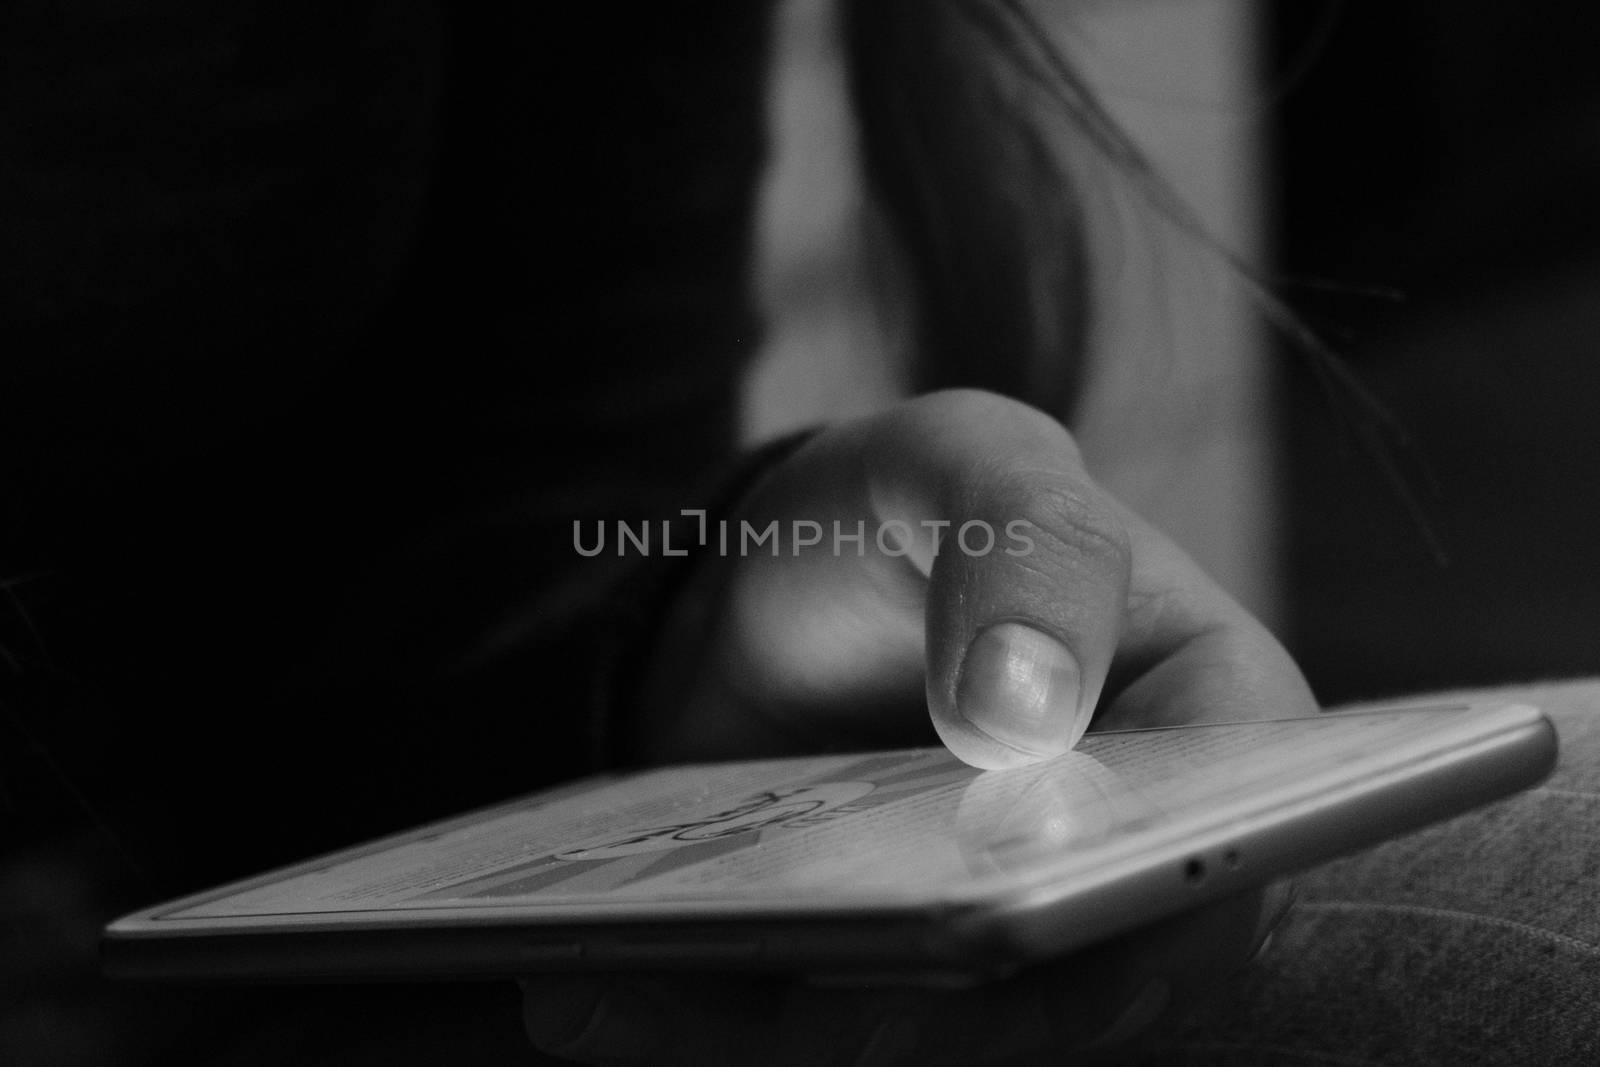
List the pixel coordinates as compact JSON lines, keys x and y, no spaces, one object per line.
{"x":799,"y":532}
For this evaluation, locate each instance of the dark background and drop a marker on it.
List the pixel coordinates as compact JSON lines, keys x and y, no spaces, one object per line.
{"x":1440,"y":226}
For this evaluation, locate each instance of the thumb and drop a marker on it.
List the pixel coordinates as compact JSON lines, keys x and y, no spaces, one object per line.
{"x":1022,"y":626}
{"x":1028,"y":588}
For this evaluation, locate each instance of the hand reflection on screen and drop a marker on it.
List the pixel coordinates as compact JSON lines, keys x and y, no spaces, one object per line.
{"x":1009,"y":821}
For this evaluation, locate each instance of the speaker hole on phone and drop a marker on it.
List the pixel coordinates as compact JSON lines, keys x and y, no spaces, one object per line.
{"x":1195,"y":870}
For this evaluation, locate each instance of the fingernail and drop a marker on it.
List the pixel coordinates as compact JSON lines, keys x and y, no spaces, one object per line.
{"x":1137,"y":1016}
{"x":629,"y":1037}
{"x":1271,"y":917}
{"x":1263,"y":947}
{"x":1021,"y":687}
{"x":584,"y":1019}
{"x":893,"y":1040}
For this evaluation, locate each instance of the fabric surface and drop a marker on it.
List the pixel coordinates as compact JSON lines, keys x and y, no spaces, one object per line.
{"x":1473,"y":942}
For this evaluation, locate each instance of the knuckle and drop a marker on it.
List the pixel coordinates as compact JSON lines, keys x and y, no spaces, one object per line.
{"x":967,"y":402}
{"x":1073,"y":524}
{"x":983,"y":413}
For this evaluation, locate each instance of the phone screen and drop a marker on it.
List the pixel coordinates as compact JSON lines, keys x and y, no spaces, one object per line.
{"x":834,"y":830}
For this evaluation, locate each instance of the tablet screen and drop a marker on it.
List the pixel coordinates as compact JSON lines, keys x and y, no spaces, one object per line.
{"x":900,"y":825}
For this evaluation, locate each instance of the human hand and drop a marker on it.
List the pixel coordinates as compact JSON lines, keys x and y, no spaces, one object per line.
{"x":1054,"y":606}
{"x":1006,"y":655}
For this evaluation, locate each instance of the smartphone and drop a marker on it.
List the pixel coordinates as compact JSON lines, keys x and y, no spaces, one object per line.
{"x":900,"y":863}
